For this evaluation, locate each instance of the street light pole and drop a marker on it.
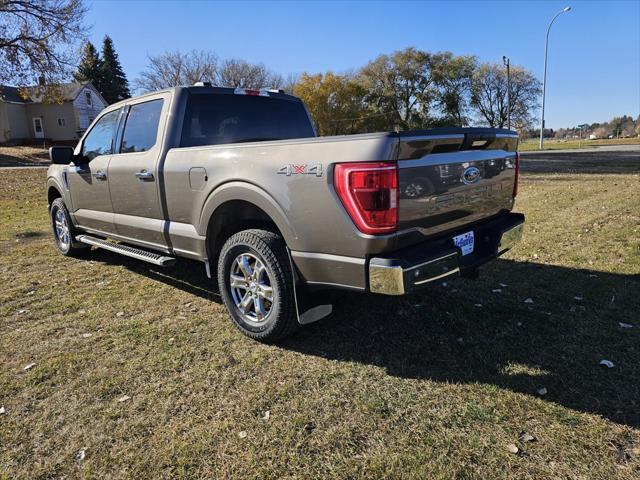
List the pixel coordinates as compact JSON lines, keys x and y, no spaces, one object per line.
{"x":544,"y":80}
{"x":507,"y":62}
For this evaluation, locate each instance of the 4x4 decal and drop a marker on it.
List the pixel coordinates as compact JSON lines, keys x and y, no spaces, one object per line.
{"x":291,"y":169}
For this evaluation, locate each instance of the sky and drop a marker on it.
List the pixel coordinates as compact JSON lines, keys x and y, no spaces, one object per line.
{"x":594,"y":50}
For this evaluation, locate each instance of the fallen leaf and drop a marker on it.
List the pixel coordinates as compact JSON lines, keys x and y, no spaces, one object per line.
{"x":82,"y":311}
{"x":87,"y":335}
{"x":81,"y":454}
{"x":242,"y":434}
{"x":606,"y":363}
{"x":266,"y":415}
{"x":120,"y":314}
{"x":29,"y":367}
{"x":527,"y":437}
{"x":511,"y":448}
{"x":22,"y":312}
{"x":2,"y":411}
{"x":625,"y":325}
{"x":124,"y":398}
{"x":528,"y":300}
{"x":542,"y":391}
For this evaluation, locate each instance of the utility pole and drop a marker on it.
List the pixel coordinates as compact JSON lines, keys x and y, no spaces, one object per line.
{"x":506,"y":62}
{"x":544,"y":80}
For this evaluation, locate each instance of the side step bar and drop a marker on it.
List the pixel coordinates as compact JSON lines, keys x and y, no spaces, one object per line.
{"x":128,"y":251}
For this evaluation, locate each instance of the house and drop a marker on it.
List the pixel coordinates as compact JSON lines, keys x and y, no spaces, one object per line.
{"x":28,"y":114}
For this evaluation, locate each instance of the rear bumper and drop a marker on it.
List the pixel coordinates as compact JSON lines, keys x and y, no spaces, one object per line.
{"x":416,"y":267}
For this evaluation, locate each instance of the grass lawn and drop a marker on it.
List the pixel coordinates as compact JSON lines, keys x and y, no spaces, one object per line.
{"x":136,"y":372}
{"x":552,"y":144}
{"x":20,"y":156}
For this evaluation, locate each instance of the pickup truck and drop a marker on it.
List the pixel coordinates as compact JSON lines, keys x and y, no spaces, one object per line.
{"x":237,"y":179}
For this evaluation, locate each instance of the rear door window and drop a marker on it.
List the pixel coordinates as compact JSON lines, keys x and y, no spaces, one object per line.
{"x":212,"y":119}
{"x":99,"y":141}
{"x":141,"y":127}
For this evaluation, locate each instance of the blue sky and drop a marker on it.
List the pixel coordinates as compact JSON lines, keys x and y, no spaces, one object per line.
{"x":594,"y":50}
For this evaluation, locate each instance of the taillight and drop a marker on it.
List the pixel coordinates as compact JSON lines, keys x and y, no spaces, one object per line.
{"x":517,"y":176}
{"x":369,"y":193}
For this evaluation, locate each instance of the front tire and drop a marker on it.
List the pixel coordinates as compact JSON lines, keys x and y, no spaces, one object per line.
{"x":256,"y":284}
{"x":63,"y":230}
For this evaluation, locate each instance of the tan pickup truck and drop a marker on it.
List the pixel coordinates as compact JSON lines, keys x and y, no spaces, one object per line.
{"x":238,"y":180}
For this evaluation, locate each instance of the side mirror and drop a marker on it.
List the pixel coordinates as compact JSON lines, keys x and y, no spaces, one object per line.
{"x":61,"y":155}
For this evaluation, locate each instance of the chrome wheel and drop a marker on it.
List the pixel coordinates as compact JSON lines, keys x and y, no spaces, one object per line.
{"x":63,"y":234}
{"x":251,"y":288}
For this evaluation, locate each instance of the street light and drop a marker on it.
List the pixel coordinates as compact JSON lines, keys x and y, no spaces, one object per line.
{"x":507,"y":62}
{"x":544,"y":81}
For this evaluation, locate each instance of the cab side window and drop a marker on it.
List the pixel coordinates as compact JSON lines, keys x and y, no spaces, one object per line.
{"x":99,"y":141}
{"x":141,"y":128}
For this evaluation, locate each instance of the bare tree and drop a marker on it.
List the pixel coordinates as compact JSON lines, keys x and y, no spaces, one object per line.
{"x":240,"y":73}
{"x":39,"y":38}
{"x":489,"y":94}
{"x":171,"y":69}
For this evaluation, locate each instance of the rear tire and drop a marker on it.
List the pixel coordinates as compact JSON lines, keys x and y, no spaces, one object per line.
{"x":256,"y":284}
{"x":64,"y":232}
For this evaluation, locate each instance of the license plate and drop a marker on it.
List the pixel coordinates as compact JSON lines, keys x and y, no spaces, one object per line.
{"x":465,"y":242}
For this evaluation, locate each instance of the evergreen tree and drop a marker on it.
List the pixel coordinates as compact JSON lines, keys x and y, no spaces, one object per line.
{"x":115,"y":86}
{"x":90,"y":68}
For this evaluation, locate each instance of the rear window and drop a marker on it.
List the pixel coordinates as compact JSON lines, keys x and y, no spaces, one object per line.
{"x":225,"y":118}
{"x":141,"y":128}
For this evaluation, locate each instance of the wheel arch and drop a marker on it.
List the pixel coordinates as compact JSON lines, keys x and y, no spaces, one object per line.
{"x":54,"y":190}
{"x":238,"y":206}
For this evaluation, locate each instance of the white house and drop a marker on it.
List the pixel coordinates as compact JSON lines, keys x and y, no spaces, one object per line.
{"x":27,"y":114}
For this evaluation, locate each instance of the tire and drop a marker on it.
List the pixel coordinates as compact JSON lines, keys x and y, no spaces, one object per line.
{"x":256,"y":284}
{"x":64,"y":231}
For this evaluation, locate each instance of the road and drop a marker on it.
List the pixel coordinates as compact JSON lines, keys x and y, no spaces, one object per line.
{"x":608,"y":159}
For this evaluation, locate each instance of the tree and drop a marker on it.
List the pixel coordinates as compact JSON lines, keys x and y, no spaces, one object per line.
{"x":400,"y":85}
{"x":242,"y":74}
{"x":115,"y":86}
{"x":90,"y":67}
{"x":39,"y":38}
{"x":335,"y":102}
{"x":489,"y":95}
{"x":453,"y":77}
{"x":171,"y":69}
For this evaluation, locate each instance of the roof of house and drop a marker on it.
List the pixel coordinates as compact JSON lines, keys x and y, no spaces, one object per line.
{"x":67,"y":92}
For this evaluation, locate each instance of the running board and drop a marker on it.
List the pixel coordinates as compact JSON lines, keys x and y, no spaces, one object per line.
{"x":128,"y":251}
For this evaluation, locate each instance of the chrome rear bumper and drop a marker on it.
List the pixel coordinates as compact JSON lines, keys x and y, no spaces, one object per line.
{"x":417,"y":267}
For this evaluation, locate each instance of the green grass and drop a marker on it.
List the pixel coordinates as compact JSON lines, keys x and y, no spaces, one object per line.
{"x":552,"y":144}
{"x":424,"y":386}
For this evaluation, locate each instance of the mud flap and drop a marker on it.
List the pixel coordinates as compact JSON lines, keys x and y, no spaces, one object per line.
{"x":310,"y":308}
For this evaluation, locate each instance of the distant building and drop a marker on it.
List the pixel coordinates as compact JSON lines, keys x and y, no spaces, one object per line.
{"x":26,"y":115}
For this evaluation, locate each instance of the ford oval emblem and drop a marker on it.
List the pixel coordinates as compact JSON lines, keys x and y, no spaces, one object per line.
{"x":471,"y":175}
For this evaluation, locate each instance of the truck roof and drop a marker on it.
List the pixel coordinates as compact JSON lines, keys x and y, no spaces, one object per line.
{"x":201,"y":87}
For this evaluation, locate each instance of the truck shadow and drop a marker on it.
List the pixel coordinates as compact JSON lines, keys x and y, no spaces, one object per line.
{"x":556,"y":342}
{"x":468,"y":332}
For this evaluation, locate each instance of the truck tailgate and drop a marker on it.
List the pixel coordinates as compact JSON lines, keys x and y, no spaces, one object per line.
{"x":448,"y":180}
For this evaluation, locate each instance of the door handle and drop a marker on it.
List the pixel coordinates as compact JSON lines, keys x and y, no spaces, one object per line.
{"x":144,"y":175}
{"x":100,"y":175}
